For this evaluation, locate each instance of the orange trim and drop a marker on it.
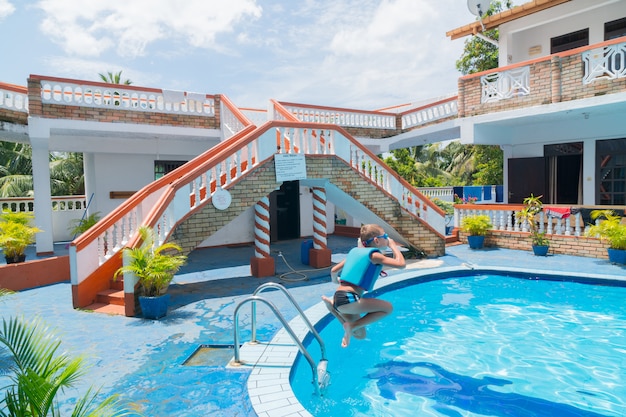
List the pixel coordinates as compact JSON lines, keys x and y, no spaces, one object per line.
{"x":427,"y":106}
{"x":312,"y":106}
{"x":32,"y":274}
{"x":13,"y":87}
{"x":85,"y":292}
{"x":493,"y":21}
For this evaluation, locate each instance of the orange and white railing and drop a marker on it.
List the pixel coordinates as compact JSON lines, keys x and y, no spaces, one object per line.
{"x":341,"y":117}
{"x":167,"y":201}
{"x":430,"y":112}
{"x":13,"y":97}
{"x":123,"y":97}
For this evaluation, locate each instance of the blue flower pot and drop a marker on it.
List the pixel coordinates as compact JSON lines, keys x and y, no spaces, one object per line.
{"x":540,"y":250}
{"x":617,"y":256}
{"x":476,"y":242}
{"x":154,"y":307}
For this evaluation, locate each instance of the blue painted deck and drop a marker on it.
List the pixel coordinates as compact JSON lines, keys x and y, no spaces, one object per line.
{"x":144,"y":361}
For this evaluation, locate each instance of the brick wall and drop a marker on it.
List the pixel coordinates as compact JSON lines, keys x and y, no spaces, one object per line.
{"x":559,"y":78}
{"x":12,"y":116}
{"x":261,"y":182}
{"x":562,"y":245}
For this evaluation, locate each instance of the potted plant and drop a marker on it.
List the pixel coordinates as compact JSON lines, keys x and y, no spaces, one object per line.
{"x":476,"y":226}
{"x":16,"y":234}
{"x":154,"y":268}
{"x":539,"y":241}
{"x":609,"y":228}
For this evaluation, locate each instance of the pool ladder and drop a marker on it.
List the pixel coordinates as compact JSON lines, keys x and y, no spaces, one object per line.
{"x":321,"y":377}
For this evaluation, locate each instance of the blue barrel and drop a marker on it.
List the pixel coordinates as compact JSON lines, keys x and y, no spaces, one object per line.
{"x":304,"y":251}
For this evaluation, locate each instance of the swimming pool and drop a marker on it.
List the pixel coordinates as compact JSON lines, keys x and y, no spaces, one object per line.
{"x":480,"y":345}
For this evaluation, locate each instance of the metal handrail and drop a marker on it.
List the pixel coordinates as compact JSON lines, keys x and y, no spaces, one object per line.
{"x":270,"y":285}
{"x":305,"y":353}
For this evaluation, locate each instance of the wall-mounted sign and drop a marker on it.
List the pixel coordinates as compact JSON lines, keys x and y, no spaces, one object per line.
{"x":290,"y":167}
{"x":221,"y":199}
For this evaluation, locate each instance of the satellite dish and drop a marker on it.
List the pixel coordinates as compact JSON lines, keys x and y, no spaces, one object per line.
{"x":478,"y":7}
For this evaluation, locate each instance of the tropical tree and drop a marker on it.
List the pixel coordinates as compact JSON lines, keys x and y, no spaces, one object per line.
{"x":114,"y":78}
{"x":478,"y":54}
{"x":16,"y":172}
{"x":67,"y":174}
{"x":38,"y":374}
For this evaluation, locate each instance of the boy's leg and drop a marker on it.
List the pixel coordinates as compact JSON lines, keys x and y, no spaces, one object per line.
{"x":374,"y":310}
{"x":358,"y":333}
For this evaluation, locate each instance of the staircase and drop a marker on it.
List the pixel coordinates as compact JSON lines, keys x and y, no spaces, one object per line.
{"x":111,"y":300}
{"x":180,"y":202}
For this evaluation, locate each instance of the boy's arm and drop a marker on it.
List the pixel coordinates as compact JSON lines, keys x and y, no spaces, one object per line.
{"x":396,"y":261}
{"x":335,"y":270}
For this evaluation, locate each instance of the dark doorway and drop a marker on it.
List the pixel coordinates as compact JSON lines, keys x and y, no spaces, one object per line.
{"x":285,"y":212}
{"x":568,"y":180}
{"x":526,"y":176}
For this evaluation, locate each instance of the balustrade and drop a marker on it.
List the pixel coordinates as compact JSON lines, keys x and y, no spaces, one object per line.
{"x":13,"y":100}
{"x":430,"y":113}
{"x":605,"y":63}
{"x":126,"y":98}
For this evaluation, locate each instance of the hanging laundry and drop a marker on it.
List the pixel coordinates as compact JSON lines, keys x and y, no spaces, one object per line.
{"x":558,"y":212}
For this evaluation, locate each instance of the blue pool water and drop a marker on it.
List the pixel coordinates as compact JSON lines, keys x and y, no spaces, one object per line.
{"x":480,"y":345}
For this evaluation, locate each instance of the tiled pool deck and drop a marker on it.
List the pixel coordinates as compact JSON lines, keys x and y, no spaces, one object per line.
{"x":146,"y":362}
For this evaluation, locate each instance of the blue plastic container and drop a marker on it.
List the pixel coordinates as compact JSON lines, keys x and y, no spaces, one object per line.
{"x":304,"y":251}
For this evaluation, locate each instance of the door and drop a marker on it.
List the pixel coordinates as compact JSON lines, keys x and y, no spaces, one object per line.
{"x":526,"y":176}
{"x":285,"y":212}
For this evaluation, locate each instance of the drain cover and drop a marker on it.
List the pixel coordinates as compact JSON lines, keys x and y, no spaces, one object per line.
{"x":211,"y":355}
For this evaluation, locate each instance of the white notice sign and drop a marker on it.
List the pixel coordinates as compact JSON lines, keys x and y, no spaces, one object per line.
{"x":290,"y":167}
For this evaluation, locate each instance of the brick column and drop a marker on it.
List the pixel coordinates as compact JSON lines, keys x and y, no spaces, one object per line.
{"x":555,"y":71}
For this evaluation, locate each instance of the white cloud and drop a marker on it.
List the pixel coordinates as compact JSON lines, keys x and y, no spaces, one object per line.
{"x":6,"y":8}
{"x":90,"y":28}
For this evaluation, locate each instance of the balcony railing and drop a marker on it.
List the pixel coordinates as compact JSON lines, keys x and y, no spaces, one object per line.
{"x":13,"y":98}
{"x":430,"y":113}
{"x":342,"y":117}
{"x":123,"y":97}
{"x":605,"y":63}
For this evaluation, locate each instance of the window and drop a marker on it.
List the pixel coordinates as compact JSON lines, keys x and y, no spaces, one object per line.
{"x":164,"y":167}
{"x":615,"y":29}
{"x":569,"y":41}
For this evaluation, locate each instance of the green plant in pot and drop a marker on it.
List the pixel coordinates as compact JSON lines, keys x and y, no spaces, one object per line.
{"x":154,"y":268}
{"x":476,"y":226}
{"x":532,"y":207}
{"x":610,"y":229}
{"x":16,"y":234}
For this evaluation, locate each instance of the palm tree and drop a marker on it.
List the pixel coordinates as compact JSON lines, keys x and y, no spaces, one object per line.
{"x":37,"y":374}
{"x":111,"y":78}
{"x":67,"y":174}
{"x":16,"y":172}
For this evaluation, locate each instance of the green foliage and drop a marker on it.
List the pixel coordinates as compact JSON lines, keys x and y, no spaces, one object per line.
{"x":446,"y":206}
{"x":609,"y":228}
{"x":476,"y":224}
{"x":478,"y":54}
{"x":16,"y":233}
{"x":114,"y":78}
{"x":37,"y":373}
{"x":533,"y":206}
{"x":78,"y":226}
{"x":489,"y":162}
{"x":153,"y":266}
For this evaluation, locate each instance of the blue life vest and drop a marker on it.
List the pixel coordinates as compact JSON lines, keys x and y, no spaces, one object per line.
{"x":359,"y":269}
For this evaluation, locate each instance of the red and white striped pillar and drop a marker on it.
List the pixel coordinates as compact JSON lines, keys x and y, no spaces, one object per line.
{"x":262,"y":264}
{"x":319,"y":218}
{"x":319,"y":255}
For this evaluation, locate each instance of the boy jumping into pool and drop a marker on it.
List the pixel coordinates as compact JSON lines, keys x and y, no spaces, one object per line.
{"x":357,"y":274}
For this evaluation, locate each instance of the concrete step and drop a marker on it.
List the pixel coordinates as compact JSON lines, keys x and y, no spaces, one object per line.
{"x":111,"y":296}
{"x":105,"y":308}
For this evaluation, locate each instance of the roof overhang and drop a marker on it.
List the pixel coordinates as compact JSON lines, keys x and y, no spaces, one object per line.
{"x":493,"y":21}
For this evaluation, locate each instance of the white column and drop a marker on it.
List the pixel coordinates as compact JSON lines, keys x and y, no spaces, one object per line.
{"x":589,"y":172}
{"x":43,"y":200}
{"x":507,"y":152}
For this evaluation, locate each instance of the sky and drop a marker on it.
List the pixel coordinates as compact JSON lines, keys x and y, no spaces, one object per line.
{"x":361,"y":54}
